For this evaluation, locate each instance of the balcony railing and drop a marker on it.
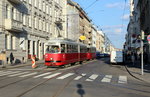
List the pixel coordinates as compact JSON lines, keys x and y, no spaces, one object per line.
{"x":13,"y":25}
{"x":15,"y":1}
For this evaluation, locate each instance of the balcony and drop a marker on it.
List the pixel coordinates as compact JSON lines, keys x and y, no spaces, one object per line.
{"x":15,"y":1}
{"x":13,"y":25}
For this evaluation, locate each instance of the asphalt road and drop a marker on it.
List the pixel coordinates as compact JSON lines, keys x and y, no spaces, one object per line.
{"x":95,"y":78}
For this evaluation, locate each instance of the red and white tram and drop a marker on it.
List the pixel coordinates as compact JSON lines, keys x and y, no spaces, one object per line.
{"x":61,"y":52}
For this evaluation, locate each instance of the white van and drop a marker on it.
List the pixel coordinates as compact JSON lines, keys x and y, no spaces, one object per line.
{"x":116,"y":57}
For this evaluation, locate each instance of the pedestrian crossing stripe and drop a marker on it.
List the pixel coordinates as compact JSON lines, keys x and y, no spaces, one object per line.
{"x":79,"y":77}
{"x":122,"y":79}
{"x":42,"y":74}
{"x":53,"y":75}
{"x":65,"y":76}
{"x":92,"y":77}
{"x":18,"y":74}
{"x":107,"y":78}
{"x":28,"y":74}
{"x":9,"y":72}
{"x":47,"y":75}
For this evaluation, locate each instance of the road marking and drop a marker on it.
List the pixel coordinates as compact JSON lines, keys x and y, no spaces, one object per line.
{"x":92,"y":77}
{"x":8,"y":72}
{"x":28,"y":74}
{"x":18,"y":74}
{"x":53,"y":75}
{"x":79,"y":77}
{"x":65,"y":76}
{"x":2,"y":73}
{"x":107,"y":78}
{"x":122,"y":79}
{"x":42,"y":75}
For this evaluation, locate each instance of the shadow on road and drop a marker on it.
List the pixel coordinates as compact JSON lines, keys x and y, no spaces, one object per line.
{"x":80,"y":90}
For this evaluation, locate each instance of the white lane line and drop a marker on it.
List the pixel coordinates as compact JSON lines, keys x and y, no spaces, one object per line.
{"x":107,"y":78}
{"x":18,"y":74}
{"x":65,"y":76}
{"x":28,"y":74}
{"x":42,"y":75}
{"x":92,"y":77}
{"x":122,"y":79}
{"x":10,"y":72}
{"x":79,"y":77}
{"x":51,"y":76}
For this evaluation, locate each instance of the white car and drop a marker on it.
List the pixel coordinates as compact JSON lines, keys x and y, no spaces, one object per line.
{"x":116,"y":57}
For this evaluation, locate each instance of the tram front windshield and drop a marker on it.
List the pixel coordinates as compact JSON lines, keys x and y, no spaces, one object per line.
{"x":52,"y":49}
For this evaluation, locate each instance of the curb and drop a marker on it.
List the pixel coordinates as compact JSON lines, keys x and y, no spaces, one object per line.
{"x":136,"y":77}
{"x":17,"y":66}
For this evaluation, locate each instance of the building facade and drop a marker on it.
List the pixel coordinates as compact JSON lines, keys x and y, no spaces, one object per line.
{"x":138,"y":27}
{"x":78,"y":23}
{"x":28,"y":24}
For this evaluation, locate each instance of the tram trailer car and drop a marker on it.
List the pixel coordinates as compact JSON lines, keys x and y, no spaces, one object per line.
{"x":61,"y":52}
{"x":91,"y":53}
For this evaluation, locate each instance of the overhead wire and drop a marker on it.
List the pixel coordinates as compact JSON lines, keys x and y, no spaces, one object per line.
{"x":91,"y":5}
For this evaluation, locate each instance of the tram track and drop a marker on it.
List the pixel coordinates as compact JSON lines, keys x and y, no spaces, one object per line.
{"x":25,"y":78}
{"x":61,"y":88}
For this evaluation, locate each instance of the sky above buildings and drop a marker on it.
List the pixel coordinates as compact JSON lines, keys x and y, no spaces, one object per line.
{"x":112,"y":16}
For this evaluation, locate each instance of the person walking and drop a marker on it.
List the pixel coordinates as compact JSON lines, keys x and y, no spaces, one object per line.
{"x":11,"y":58}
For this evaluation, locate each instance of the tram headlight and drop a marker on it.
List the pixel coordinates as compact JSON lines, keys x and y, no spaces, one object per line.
{"x":51,"y":58}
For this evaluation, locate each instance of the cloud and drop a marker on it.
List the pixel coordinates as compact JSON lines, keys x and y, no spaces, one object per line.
{"x":117,"y":31}
{"x":118,"y":5}
{"x":113,"y":26}
{"x":125,"y":17}
{"x":112,"y":5}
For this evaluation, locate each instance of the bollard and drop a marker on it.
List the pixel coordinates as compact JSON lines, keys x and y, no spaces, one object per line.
{"x":33,"y":62}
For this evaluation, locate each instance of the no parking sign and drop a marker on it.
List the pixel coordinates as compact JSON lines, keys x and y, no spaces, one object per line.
{"x":148,"y":38}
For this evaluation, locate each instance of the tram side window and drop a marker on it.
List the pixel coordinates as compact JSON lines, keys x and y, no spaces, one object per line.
{"x":68,"y":48}
{"x":52,"y":49}
{"x":63,"y":48}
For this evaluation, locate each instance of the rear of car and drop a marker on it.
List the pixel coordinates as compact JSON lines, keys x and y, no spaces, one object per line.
{"x":116,"y":57}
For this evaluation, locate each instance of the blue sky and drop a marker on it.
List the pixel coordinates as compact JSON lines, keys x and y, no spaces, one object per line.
{"x":110,"y":16}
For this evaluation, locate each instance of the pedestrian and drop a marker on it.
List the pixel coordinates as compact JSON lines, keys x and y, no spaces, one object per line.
{"x":133,"y":58}
{"x":11,"y":58}
{"x":145,"y":57}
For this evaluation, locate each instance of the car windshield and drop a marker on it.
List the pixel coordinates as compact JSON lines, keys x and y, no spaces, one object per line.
{"x":52,"y":49}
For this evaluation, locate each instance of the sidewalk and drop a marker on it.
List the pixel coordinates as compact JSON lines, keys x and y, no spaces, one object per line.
{"x":135,"y":70}
{"x":7,"y":66}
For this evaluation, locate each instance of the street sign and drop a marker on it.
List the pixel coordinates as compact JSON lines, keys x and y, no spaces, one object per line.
{"x":148,"y":38}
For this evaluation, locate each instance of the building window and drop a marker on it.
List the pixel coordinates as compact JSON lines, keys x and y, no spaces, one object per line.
{"x":30,"y":1}
{"x":35,"y":3}
{"x":44,"y":6}
{"x":13,"y":42}
{"x":50,"y":11}
{"x":40,"y":24}
{"x":35,"y":22}
{"x":24,"y":19}
{"x":6,"y":41}
{"x":40,"y":4}
{"x":30,"y":21}
{"x":47,"y":9}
